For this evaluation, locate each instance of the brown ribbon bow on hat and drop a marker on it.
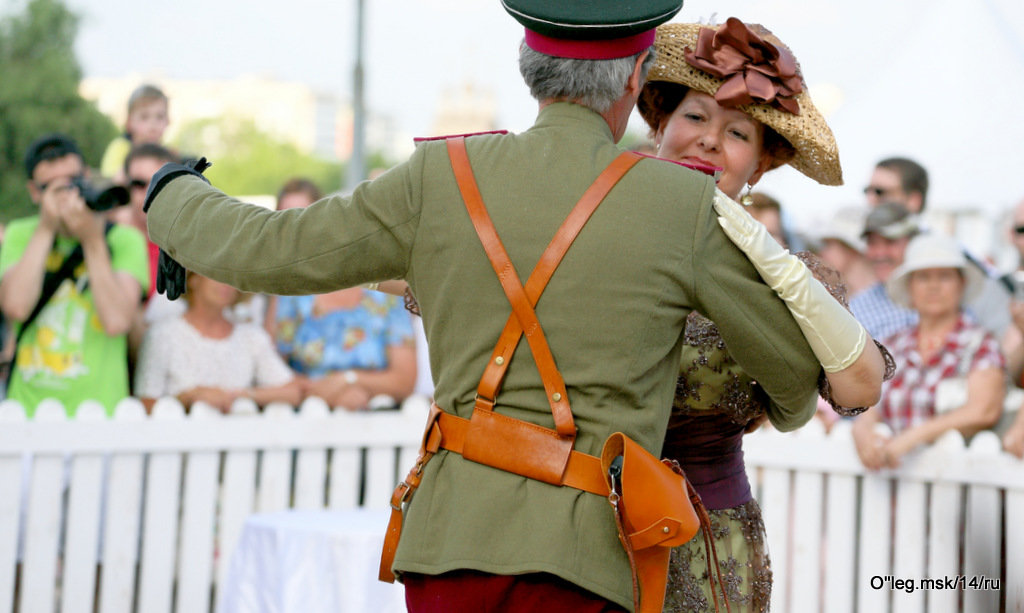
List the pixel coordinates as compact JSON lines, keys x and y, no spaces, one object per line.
{"x":755,"y":70}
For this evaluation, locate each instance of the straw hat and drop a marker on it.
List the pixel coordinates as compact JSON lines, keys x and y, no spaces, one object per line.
{"x":933,"y":251}
{"x":761,"y":78}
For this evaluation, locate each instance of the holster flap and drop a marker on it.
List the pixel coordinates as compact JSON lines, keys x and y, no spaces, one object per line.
{"x":656,"y":507}
{"x":516,"y":446}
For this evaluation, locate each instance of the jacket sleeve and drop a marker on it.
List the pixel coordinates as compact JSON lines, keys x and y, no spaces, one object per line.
{"x":337,"y":242}
{"x":758,"y":329}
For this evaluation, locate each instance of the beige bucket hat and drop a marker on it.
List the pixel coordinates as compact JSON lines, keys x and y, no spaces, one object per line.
{"x":933,"y":250}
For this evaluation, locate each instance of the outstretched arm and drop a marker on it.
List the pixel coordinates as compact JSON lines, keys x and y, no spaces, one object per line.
{"x":338,"y":242}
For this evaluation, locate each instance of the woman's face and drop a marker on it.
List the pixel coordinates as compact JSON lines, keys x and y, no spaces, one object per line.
{"x":703,"y":132}
{"x":936,"y":292}
{"x":212,"y":293}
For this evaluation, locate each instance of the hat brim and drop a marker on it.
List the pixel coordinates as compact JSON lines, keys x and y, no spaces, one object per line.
{"x":817,"y":154}
{"x":900,"y":293}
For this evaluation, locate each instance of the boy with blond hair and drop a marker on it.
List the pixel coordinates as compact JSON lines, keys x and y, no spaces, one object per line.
{"x":146,"y":122}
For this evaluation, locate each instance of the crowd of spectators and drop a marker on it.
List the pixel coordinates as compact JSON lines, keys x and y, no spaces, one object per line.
{"x":77,"y":294}
{"x":954,"y":324}
{"x":83,"y":320}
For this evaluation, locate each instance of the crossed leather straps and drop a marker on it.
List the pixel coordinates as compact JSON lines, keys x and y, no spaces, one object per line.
{"x":487,"y":436}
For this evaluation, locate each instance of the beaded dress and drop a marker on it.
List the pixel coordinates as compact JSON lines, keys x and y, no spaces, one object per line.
{"x":715,"y":403}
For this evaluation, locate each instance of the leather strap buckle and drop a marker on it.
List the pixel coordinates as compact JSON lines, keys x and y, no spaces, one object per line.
{"x":401,"y":495}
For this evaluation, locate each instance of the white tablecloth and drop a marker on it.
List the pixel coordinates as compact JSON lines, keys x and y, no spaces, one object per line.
{"x":310,"y":561}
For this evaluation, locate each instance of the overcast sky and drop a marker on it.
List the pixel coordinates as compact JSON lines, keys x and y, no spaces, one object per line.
{"x":938,"y":80}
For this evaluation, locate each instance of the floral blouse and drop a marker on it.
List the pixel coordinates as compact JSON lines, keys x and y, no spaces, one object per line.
{"x":356,"y":338}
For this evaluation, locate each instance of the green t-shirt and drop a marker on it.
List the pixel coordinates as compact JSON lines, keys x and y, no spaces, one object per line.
{"x":65,"y":354}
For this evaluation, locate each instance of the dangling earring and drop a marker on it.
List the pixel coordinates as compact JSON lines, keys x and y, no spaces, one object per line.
{"x":747,"y":199}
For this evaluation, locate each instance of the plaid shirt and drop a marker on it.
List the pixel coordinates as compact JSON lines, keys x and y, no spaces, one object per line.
{"x":909,"y":398}
{"x":879,"y":315}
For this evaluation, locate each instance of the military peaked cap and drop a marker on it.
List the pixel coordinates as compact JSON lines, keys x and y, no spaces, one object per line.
{"x":591,"y":29}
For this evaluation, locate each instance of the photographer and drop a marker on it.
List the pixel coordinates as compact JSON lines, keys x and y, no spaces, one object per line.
{"x":70,"y":283}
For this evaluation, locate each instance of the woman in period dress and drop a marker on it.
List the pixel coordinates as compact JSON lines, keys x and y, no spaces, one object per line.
{"x":732,"y":97}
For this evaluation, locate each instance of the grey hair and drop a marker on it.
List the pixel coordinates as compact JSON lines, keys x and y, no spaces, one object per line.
{"x":596,"y":84}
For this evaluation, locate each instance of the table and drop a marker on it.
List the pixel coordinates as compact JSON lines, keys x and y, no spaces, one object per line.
{"x":308,"y":561}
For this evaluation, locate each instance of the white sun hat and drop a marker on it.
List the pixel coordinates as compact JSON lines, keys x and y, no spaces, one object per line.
{"x":934,"y":250}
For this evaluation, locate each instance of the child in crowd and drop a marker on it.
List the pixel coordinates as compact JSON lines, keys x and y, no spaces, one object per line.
{"x":146,"y":122}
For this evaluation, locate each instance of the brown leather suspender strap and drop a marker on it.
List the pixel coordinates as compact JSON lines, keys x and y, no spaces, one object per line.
{"x":488,"y":436}
{"x":554,"y":385}
{"x":497,"y":366}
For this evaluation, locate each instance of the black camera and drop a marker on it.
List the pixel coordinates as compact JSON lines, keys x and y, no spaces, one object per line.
{"x":101,"y":198}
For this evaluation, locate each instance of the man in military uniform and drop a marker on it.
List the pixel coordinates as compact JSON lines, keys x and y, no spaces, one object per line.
{"x":477,"y":538}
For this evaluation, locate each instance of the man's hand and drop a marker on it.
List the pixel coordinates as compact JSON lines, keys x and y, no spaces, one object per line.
{"x":52,"y":197}
{"x":170,"y":275}
{"x":80,"y":221}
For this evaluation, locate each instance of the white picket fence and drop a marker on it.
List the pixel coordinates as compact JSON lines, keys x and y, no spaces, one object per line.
{"x":845,"y":540}
{"x":160,"y":501}
{"x":139,"y":513}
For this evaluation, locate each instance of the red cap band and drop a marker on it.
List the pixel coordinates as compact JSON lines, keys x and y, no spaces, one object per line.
{"x":604,"y":49}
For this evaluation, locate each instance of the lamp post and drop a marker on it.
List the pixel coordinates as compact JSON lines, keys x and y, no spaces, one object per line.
{"x":357,"y":161}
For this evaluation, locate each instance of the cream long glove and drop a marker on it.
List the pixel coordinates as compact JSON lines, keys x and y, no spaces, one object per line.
{"x":834,"y":335}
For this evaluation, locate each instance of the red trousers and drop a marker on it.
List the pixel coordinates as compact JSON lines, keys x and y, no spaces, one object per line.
{"x":469,"y":591}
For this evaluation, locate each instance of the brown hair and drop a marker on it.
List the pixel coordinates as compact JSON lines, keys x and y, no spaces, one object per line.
{"x":150,"y":151}
{"x":659,"y":99}
{"x":913,"y":176}
{"x":299,"y":185}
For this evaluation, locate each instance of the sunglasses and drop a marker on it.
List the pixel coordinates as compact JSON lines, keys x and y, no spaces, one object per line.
{"x":877,"y":192}
{"x":1018,"y":229}
{"x":137,"y":184}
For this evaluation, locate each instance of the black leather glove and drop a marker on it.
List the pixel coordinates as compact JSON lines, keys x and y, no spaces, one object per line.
{"x":170,"y":275}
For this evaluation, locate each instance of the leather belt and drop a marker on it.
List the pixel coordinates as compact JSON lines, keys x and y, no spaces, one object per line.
{"x":583,"y":471}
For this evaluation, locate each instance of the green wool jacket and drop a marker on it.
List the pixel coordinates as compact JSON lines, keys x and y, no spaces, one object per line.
{"x":614,"y":314}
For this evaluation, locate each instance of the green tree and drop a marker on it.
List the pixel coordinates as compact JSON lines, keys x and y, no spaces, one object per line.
{"x":39,"y":94}
{"x":248,"y":161}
